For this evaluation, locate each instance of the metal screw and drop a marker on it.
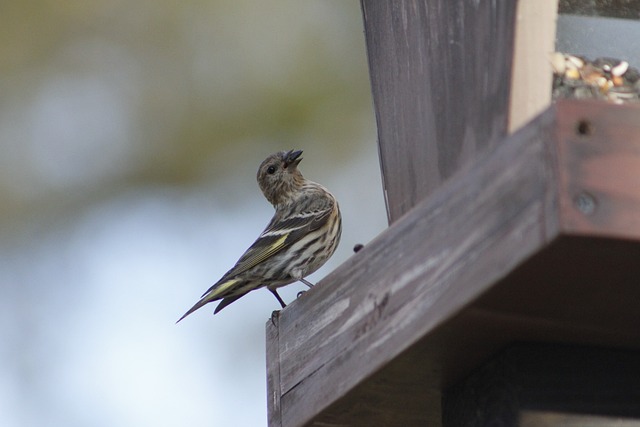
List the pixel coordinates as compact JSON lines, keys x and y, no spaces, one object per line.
{"x":585,"y":203}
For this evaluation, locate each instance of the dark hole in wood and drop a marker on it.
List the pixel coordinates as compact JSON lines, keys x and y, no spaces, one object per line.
{"x":584,"y":128}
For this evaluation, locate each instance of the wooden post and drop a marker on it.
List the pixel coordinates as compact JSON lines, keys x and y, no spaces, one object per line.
{"x":440,"y":76}
{"x":531,"y":80}
{"x":274,"y":390}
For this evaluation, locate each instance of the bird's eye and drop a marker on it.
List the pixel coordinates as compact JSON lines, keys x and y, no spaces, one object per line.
{"x":271,"y":170}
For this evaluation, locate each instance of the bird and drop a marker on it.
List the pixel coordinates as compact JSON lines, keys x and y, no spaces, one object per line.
{"x":302,"y":235}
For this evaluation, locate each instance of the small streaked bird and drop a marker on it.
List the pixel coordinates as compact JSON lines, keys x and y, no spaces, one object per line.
{"x":303,"y":233}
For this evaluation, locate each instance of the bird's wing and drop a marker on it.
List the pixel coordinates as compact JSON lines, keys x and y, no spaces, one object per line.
{"x":279,"y":235}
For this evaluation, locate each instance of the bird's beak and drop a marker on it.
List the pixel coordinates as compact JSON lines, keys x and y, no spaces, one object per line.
{"x":292,"y":158}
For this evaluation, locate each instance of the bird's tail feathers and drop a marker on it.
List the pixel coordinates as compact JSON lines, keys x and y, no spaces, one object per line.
{"x":214,"y":293}
{"x":226,"y":301}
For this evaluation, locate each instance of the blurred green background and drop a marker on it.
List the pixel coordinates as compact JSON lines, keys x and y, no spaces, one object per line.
{"x":130,"y":136}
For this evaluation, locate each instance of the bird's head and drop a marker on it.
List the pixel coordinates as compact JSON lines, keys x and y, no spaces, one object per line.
{"x":279,"y":177}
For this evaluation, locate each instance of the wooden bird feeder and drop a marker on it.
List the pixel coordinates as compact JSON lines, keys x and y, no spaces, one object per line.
{"x":506,"y":290}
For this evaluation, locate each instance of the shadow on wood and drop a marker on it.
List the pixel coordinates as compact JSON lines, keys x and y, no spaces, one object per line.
{"x":540,"y":382}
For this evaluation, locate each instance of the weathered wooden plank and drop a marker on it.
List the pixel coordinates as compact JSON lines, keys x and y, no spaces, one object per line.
{"x":531,"y":77}
{"x":440,"y":73}
{"x":274,"y":391}
{"x":413,"y":278}
{"x":482,"y":262}
{"x":600,"y":192}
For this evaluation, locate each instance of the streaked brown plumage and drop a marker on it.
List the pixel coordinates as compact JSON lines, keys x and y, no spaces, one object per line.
{"x":302,"y":235}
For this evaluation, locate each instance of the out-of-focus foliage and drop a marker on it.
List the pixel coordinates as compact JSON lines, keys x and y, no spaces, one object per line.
{"x":101,"y":94}
{"x":130,"y":135}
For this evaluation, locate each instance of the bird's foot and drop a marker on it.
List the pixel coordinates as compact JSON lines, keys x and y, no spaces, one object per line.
{"x":306,"y":282}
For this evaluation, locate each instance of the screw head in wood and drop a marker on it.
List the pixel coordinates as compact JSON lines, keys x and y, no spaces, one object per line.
{"x":585,"y":203}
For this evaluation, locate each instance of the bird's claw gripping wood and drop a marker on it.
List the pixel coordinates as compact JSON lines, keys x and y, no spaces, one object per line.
{"x":308,"y":283}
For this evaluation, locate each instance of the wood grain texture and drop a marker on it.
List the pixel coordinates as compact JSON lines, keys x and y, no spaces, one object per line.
{"x":600,"y":151}
{"x":412,"y":279}
{"x":440,"y":73}
{"x":489,"y":258}
{"x":274,"y":391}
{"x":531,"y":76}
